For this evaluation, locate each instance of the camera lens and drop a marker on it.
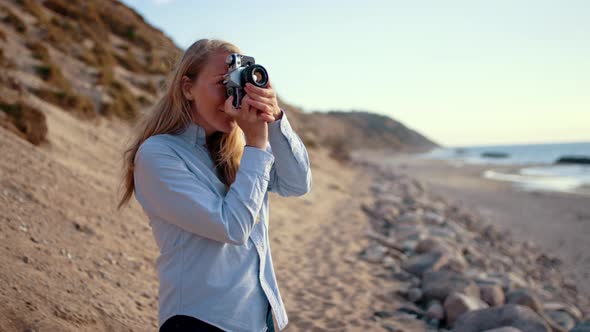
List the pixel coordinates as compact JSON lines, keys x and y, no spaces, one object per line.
{"x":255,"y":74}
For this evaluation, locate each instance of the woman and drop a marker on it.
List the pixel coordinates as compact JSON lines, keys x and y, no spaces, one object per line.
{"x":201,"y":170}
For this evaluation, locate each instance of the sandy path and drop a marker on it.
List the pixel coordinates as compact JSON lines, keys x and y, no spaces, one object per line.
{"x":324,"y":284}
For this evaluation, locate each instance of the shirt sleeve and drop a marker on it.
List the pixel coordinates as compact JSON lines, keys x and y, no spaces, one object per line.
{"x":165,"y":187}
{"x":290,"y":174}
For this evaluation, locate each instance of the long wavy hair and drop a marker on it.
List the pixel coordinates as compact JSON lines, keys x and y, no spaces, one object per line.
{"x":173,"y":112}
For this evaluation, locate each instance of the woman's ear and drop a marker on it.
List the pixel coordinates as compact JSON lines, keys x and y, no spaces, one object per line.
{"x":186,"y":85}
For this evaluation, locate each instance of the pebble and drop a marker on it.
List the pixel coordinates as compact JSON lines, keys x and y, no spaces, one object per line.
{"x":415,"y":294}
{"x":524,"y":297}
{"x":561,"y":318}
{"x":504,"y":329}
{"x":517,"y":316}
{"x":438,"y":285}
{"x":493,"y":295}
{"x":457,"y":304}
{"x":435,"y":311}
{"x":420,"y":264}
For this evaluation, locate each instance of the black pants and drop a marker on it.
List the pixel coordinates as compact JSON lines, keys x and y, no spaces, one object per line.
{"x":182,"y":323}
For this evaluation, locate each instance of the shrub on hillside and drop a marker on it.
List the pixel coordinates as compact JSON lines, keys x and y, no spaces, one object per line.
{"x":129,"y":62}
{"x":30,"y":122}
{"x":63,"y":7}
{"x":5,"y":62}
{"x":38,"y":50}
{"x":51,"y":74}
{"x":106,"y":63}
{"x":60,"y":92}
{"x":33,"y":8}
{"x":156,"y":65}
{"x":13,"y":20}
{"x":148,"y":86}
{"x":143,"y":101}
{"x":87,"y":56}
{"x":79,"y":105}
{"x":94,"y":29}
{"x":119,"y":24}
{"x":339,"y":149}
{"x":124,"y":104}
{"x":116,"y":20}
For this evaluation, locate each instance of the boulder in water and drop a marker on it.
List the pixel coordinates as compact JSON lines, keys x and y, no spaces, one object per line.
{"x":582,"y":160}
{"x":492,"y":154}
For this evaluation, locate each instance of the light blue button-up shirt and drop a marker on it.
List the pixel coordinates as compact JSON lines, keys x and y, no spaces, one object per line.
{"x":215,"y":263}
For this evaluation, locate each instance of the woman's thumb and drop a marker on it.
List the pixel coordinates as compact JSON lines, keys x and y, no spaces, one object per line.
{"x":229,"y":107}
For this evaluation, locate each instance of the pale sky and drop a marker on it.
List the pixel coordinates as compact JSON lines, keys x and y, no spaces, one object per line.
{"x":460,"y":72}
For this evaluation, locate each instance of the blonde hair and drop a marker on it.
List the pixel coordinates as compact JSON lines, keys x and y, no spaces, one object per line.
{"x":172,"y":113}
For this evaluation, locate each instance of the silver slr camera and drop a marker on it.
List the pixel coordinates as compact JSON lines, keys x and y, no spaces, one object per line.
{"x":242,"y":69}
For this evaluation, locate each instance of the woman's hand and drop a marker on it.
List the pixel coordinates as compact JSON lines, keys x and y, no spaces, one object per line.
{"x":255,"y":129}
{"x":264,"y":100}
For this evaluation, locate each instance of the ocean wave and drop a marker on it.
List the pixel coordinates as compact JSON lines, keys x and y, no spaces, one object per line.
{"x":562,"y":178}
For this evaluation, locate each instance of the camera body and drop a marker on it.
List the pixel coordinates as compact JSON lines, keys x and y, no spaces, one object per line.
{"x":242,"y":69}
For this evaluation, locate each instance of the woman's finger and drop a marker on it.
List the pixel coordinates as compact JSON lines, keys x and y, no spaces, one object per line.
{"x":255,"y":114}
{"x":266,"y":117}
{"x":248,"y":112}
{"x":265,"y":92}
{"x":260,"y":98}
{"x":268,"y":109}
{"x":260,"y":106}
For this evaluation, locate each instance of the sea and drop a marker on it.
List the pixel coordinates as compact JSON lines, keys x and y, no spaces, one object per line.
{"x":537,"y":168}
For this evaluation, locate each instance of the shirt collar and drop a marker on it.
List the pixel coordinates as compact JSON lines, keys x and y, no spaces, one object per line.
{"x":194,"y":134}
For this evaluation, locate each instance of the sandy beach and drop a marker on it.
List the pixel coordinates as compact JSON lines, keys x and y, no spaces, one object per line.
{"x":559,"y":223}
{"x":71,"y":262}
